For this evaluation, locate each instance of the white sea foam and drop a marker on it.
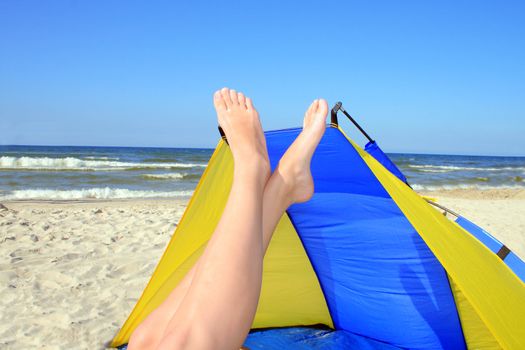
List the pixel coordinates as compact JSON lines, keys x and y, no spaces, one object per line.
{"x":101,"y":158}
{"x":417,"y":187}
{"x":171,"y":176}
{"x":445,"y":168}
{"x":71,"y":163}
{"x":91,"y":193}
{"x":429,"y":170}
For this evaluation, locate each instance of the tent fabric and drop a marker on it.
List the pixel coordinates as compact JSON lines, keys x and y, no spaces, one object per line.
{"x":491,"y":287}
{"x":307,"y":338}
{"x":375,"y":151}
{"x":512,"y":260}
{"x":483,"y":236}
{"x":516,"y":264}
{"x":290,"y":294}
{"x":372,"y":265}
{"x":366,"y":256}
{"x":477,"y":335}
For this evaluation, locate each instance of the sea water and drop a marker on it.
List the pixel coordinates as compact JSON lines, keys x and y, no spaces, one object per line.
{"x":75,"y":173}
{"x":78,"y":173}
{"x":449,"y":172}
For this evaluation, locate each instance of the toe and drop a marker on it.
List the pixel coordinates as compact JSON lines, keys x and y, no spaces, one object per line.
{"x":233,"y":97}
{"x":249,"y":103}
{"x":218,"y":101}
{"x":225,"y":92}
{"x":322,"y":107}
{"x":242,"y":99}
{"x":313,"y":107}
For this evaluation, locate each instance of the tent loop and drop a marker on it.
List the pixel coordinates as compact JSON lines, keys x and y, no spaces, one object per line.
{"x":503,"y":252}
{"x":223,"y":135}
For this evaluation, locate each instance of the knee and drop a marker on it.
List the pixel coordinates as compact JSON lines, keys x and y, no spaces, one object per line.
{"x":141,"y":339}
{"x":176,"y":339}
{"x":187,"y":337}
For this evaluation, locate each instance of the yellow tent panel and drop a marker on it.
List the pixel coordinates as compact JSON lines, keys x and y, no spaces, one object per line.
{"x":477,"y":335}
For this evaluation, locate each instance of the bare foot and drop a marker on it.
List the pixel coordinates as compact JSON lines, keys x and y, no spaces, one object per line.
{"x":240,"y":122}
{"x":294,"y":166}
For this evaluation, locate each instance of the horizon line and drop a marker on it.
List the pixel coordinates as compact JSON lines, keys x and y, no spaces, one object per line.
{"x":212,"y":148}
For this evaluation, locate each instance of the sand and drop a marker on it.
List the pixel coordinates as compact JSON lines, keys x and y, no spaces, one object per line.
{"x":70,"y":272}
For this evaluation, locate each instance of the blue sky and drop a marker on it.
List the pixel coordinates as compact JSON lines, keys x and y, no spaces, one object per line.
{"x":440,"y":77}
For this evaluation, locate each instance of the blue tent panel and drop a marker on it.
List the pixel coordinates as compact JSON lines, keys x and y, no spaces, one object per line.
{"x":375,"y":151}
{"x":516,"y":264}
{"x":483,"y":236}
{"x":512,"y":260}
{"x":304,"y":338}
{"x":378,"y":276}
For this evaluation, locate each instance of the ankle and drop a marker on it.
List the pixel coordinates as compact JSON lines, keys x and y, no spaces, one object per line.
{"x":252,"y":170}
{"x":294,"y":181}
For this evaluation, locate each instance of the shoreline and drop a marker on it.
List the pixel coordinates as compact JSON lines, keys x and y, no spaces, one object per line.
{"x":162,"y":200}
{"x":491,"y":193}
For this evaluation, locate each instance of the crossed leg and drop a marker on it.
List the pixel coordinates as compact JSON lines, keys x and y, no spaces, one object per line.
{"x":192,"y":318}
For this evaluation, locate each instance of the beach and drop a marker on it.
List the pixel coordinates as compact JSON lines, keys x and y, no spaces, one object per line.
{"x":71,"y":271}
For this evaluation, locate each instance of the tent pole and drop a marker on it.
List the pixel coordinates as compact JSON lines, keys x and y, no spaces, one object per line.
{"x":442,"y":207}
{"x":356,"y":124}
{"x":339,"y":107}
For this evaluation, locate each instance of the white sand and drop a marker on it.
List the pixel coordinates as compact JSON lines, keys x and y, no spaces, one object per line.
{"x":71,"y":272}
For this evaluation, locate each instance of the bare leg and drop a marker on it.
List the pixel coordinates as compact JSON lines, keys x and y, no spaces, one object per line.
{"x":233,"y":255}
{"x":290,"y":183}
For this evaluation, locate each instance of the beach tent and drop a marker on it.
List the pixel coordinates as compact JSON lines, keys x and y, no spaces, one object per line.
{"x":367,"y":263}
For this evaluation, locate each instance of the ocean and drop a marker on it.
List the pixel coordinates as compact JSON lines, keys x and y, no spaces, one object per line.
{"x":78,"y":173}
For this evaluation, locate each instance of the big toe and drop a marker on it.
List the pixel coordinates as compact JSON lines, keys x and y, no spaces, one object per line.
{"x":225,"y":94}
{"x":322,"y":107}
{"x":218,"y":101}
{"x":313,"y":107}
{"x":316,"y":114}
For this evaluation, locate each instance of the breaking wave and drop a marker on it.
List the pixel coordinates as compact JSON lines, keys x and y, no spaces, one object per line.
{"x":71,"y":163}
{"x":418,"y":187}
{"x":446,"y":168}
{"x":172,"y":176}
{"x":101,"y":158}
{"x":91,"y":193}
